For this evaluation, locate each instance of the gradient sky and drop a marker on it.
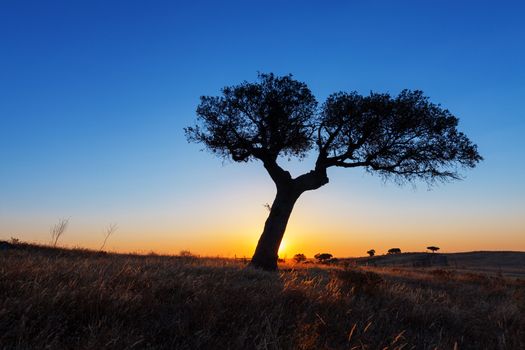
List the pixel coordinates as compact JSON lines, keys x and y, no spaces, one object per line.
{"x":94,"y":96}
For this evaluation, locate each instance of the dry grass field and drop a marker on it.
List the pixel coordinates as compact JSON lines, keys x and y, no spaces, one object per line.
{"x":78,"y":299}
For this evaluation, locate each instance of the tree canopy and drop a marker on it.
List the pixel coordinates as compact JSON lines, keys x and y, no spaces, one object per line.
{"x":394,"y":251}
{"x":406,"y":137}
{"x":299,"y":257}
{"x":323,"y":256}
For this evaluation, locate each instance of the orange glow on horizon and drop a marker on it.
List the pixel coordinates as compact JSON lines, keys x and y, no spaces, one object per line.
{"x":342,"y":228}
{"x":308,"y":241}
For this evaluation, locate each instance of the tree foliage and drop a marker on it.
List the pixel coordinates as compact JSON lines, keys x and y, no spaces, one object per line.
{"x":433,"y":248}
{"x":394,"y":251}
{"x":298,"y":258}
{"x":323,"y":257}
{"x":257,"y":120}
{"x":405,"y":137}
{"x":371,"y":252}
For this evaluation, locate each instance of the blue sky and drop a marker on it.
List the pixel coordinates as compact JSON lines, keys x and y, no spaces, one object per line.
{"x":94,"y":96}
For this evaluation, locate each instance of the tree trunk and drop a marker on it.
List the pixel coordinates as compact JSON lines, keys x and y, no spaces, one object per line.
{"x":288,"y":191}
{"x":265,"y":256}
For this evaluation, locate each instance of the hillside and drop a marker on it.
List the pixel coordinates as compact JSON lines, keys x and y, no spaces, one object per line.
{"x":63,"y":299}
{"x":506,"y":263}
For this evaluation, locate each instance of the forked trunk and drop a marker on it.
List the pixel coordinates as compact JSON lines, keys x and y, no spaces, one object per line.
{"x":288,"y":191}
{"x":265,"y":256}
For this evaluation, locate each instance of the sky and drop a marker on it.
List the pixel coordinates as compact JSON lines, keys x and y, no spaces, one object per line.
{"x":94,"y":96}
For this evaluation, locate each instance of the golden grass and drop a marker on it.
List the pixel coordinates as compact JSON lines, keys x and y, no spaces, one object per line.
{"x":53,"y":298}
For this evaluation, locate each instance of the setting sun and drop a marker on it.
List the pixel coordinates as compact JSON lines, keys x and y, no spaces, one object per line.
{"x":282,"y":249}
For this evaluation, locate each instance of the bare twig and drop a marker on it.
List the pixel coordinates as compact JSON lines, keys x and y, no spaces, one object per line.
{"x":109,"y":231}
{"x":58,"y":230}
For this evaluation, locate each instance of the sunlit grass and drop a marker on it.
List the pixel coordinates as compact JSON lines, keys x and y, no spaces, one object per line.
{"x":52,"y":298}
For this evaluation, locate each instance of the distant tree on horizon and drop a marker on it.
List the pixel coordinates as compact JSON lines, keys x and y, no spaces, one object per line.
{"x":394,"y":251}
{"x":323,"y":257}
{"x":433,"y":248}
{"x":404,"y":138}
{"x":298,"y":258}
{"x":371,"y":252}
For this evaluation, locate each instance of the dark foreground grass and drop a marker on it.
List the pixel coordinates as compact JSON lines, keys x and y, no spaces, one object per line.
{"x":83,"y":300}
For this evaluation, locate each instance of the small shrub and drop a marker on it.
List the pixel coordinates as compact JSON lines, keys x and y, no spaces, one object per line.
{"x":58,"y":230}
{"x":298,"y":258}
{"x":187,"y":254}
{"x":108,"y":232}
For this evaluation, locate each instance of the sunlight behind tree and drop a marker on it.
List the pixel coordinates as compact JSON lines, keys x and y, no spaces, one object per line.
{"x":282,"y":249}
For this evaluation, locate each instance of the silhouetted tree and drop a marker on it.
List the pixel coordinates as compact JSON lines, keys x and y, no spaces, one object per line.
{"x":298,"y":258}
{"x":323,"y":257}
{"x":405,"y":138}
{"x":371,"y":252}
{"x":394,"y":251}
{"x":433,"y":248}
